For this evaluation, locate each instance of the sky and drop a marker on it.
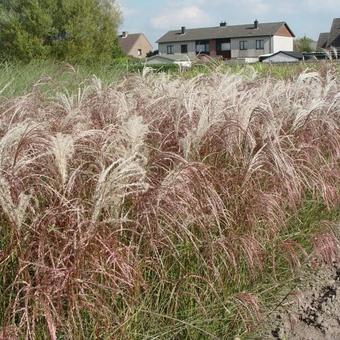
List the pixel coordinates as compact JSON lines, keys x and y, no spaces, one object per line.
{"x":155,"y":17}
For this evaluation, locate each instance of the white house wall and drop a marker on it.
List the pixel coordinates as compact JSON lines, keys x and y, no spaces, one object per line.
{"x":159,"y":61}
{"x":280,"y":58}
{"x":271,"y":45}
{"x":177,"y":47}
{"x":282,"y":44}
{"x":251,"y":52}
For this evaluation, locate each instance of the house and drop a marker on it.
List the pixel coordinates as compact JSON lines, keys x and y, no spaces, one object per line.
{"x":330,"y":39}
{"x":134,"y":45}
{"x":177,"y":59}
{"x":237,"y":41}
{"x":282,"y":57}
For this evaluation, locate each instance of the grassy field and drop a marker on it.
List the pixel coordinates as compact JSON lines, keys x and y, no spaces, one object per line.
{"x":146,"y":205}
{"x":51,"y":77}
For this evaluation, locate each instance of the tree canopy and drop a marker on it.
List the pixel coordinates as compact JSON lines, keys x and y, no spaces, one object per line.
{"x":303,"y":44}
{"x":72,"y":30}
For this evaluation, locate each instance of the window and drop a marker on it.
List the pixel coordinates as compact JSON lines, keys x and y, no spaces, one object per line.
{"x":222,"y":45}
{"x":225,"y":47}
{"x":244,"y":45}
{"x":139,"y":52}
{"x":170,"y":49}
{"x":202,"y":46}
{"x":259,"y":44}
{"x":184,"y":49}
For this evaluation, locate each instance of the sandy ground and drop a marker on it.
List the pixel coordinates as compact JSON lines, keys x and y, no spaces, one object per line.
{"x":314,"y":311}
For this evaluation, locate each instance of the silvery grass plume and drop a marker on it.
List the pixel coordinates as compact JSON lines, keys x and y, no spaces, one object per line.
{"x":62,"y":148}
{"x":13,"y":163}
{"x":119,"y":180}
{"x":15,"y":211}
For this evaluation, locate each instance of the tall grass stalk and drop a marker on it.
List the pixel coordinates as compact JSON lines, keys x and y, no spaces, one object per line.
{"x":156,"y":207}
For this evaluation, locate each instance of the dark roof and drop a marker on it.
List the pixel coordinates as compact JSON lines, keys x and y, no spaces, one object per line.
{"x":296,"y":55}
{"x":323,"y":39}
{"x":334,"y":35}
{"x":235,"y":31}
{"x":129,"y":41}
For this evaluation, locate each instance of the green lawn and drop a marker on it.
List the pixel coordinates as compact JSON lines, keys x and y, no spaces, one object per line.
{"x":18,"y":79}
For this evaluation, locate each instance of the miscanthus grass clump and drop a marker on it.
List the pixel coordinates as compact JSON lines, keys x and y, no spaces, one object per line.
{"x":159,"y":207}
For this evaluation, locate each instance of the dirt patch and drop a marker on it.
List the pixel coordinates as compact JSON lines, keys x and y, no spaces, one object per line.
{"x":313,"y":310}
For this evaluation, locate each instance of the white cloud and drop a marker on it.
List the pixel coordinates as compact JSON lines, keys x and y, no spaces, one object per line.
{"x":193,"y":13}
{"x":287,"y":8}
{"x":176,"y":16}
{"x":256,"y":7}
{"x":321,"y":5}
{"x":127,"y":11}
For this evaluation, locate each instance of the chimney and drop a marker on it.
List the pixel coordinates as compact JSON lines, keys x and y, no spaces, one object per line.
{"x":256,"y":24}
{"x":223,"y":23}
{"x":124,"y":34}
{"x":183,"y":30}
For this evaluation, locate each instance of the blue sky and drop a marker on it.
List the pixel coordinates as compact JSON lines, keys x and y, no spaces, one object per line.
{"x":154,"y":18}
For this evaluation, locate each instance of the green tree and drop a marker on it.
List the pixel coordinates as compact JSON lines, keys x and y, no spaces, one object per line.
{"x":303,"y":44}
{"x":71,"y":30}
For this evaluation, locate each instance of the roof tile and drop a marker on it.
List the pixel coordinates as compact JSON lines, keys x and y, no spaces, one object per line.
{"x":323,"y":39}
{"x":235,"y":31}
{"x":334,"y":35}
{"x":129,"y":41}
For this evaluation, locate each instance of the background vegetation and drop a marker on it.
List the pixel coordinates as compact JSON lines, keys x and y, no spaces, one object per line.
{"x":304,"y":44}
{"x":82,"y":31}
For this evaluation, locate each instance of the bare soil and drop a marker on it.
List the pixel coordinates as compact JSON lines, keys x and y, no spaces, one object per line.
{"x":313,"y":311}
